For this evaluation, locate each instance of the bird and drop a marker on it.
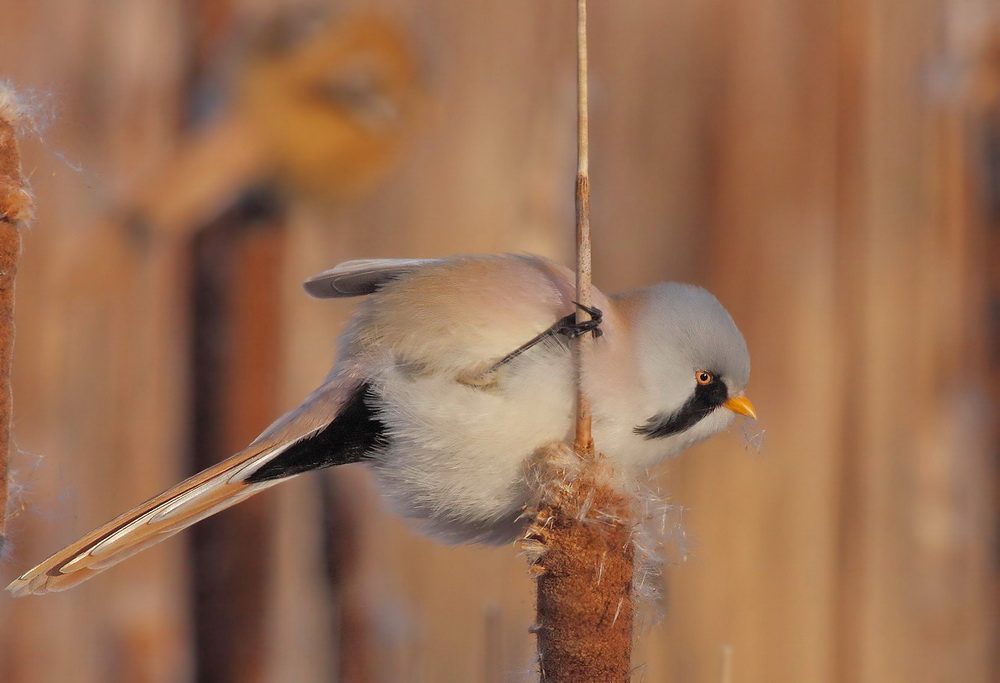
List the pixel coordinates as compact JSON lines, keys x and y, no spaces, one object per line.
{"x":450,"y":377}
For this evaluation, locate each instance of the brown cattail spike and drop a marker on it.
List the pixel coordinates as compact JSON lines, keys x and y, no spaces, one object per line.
{"x":16,"y":207}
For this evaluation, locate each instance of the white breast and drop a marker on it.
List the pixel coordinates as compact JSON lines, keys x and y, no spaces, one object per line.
{"x":457,"y":454}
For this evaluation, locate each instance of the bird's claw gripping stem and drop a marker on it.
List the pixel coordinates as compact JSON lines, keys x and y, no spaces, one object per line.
{"x":570,"y":327}
{"x":567,"y":326}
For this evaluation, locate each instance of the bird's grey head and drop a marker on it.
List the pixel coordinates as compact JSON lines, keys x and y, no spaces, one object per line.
{"x":695,"y":362}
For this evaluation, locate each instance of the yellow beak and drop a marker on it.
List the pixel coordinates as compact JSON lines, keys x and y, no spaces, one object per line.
{"x":741,"y":405}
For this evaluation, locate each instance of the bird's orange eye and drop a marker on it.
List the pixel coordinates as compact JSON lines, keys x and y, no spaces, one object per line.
{"x":704,"y":377}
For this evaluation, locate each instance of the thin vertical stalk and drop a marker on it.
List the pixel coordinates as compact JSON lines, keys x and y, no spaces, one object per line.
{"x":584,"y":442}
{"x":581,"y":540}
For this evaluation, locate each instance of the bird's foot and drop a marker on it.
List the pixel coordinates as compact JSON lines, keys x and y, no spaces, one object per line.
{"x":572,"y":328}
{"x":567,"y":326}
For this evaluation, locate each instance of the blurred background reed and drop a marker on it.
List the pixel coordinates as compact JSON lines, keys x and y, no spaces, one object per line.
{"x":830,"y":169}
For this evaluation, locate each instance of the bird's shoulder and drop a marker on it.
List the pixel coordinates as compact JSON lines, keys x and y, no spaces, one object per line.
{"x":456,"y":314}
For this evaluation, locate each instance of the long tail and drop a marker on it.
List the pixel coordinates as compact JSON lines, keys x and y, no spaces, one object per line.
{"x":190,"y":501}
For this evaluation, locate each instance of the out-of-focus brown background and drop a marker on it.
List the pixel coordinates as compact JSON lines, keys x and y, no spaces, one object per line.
{"x":830,"y":169}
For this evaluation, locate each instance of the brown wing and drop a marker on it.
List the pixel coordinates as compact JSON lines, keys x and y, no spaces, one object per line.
{"x":190,"y":501}
{"x":358,"y":278}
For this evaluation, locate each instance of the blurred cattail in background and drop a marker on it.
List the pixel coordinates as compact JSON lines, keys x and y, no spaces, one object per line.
{"x":16,"y":209}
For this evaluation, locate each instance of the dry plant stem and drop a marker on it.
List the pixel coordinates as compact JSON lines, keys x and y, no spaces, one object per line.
{"x":15,"y":206}
{"x":581,"y":539}
{"x":584,"y":441}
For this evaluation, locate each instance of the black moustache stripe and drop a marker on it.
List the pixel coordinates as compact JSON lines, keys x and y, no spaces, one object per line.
{"x":705,"y":399}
